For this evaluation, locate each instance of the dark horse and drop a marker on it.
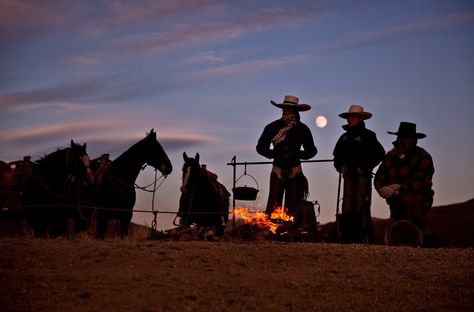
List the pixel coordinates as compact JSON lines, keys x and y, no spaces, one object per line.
{"x":115,"y":195}
{"x":204,"y":201}
{"x":53,"y":189}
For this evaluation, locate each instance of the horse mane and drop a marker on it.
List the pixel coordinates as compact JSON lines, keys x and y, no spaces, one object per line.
{"x":132,"y":148}
{"x":53,"y":156}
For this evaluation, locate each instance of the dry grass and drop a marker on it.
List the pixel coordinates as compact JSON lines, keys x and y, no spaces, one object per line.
{"x":135,"y":274}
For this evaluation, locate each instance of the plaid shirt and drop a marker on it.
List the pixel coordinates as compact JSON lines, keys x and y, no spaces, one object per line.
{"x":414,"y":172}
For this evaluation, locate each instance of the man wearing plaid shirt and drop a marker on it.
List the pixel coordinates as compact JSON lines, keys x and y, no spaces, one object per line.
{"x":404,"y":178}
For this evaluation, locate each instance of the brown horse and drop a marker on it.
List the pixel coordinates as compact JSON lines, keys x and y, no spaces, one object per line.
{"x":204,"y":201}
{"x":51,"y":194}
{"x":116,"y":195}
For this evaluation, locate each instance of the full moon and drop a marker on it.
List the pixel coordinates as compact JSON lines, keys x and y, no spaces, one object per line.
{"x":321,"y":121}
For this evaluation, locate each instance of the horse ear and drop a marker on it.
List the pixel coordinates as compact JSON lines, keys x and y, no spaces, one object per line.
{"x":152,"y":133}
{"x":185,"y":157}
{"x":197,"y":157}
{"x":84,"y":145}
{"x":72,"y":143}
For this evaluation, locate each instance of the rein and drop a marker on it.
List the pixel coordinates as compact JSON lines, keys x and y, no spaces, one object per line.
{"x":155,"y":187}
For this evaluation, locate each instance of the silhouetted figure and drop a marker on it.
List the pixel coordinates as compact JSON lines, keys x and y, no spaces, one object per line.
{"x":404,"y":179}
{"x":281,"y":141}
{"x":356,"y":154}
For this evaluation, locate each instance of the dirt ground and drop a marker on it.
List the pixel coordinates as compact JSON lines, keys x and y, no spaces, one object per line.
{"x":82,"y":274}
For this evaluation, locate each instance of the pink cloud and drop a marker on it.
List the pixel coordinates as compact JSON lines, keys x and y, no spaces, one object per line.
{"x":191,"y":34}
{"x":23,"y":19}
{"x":247,"y":68}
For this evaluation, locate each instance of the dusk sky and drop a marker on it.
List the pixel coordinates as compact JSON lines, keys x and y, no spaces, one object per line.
{"x":202,"y":74}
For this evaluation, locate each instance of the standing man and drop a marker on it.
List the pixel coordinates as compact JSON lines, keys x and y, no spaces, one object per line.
{"x":281,"y":141}
{"x":356,"y":154}
{"x":404,"y":178}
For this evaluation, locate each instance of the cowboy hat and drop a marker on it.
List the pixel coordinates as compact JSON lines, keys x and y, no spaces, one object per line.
{"x":407,"y":129}
{"x":356,"y":110}
{"x":291,"y":101}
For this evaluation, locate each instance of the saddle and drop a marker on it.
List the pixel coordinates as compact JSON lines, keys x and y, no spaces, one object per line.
{"x":15,"y":175}
{"x":221,"y":190}
{"x":14,"y":178}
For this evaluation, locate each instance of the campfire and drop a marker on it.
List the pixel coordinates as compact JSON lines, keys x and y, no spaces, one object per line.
{"x":256,"y":225}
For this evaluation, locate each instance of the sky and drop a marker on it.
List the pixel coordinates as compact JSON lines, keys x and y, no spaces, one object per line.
{"x":202,"y":74}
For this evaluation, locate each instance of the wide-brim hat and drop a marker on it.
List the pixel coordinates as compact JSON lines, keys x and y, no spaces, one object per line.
{"x":291,"y":101}
{"x":356,"y":110}
{"x":407,"y":129}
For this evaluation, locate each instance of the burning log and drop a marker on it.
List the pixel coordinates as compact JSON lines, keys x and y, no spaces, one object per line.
{"x":255,"y":225}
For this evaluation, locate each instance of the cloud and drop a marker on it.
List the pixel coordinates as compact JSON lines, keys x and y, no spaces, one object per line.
{"x":107,"y":89}
{"x":247,"y":68}
{"x":91,"y":91}
{"x":20,"y":20}
{"x":189,"y":34}
{"x":101,"y":136}
{"x":65,"y":92}
{"x":204,"y":57}
{"x":116,"y":145}
{"x":134,"y":14}
{"x":441,"y":22}
{"x":40,"y":135}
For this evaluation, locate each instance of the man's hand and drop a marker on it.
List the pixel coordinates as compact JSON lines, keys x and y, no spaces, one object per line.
{"x":395,"y":188}
{"x":385,"y":192}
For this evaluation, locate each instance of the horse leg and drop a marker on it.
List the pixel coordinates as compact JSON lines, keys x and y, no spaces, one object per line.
{"x":101,"y":226}
{"x":81,"y":225}
{"x":125,"y":220}
{"x":39,"y":227}
{"x":59,"y":219}
{"x":37,"y":222}
{"x":184,"y":209}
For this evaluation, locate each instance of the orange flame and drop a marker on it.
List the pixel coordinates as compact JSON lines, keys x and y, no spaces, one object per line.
{"x":261,"y":220}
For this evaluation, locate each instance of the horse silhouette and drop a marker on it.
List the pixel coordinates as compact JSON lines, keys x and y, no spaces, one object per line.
{"x":115,"y":195}
{"x":52,"y":189}
{"x":204,"y":201}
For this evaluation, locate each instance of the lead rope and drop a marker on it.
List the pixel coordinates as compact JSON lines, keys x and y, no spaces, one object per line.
{"x":154,"y":234}
{"x":155,"y":213}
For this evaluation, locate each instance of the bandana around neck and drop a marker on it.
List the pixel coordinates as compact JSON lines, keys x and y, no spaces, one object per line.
{"x":291,"y":121}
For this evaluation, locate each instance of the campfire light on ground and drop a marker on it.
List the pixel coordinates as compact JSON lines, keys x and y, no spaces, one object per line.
{"x":261,"y":220}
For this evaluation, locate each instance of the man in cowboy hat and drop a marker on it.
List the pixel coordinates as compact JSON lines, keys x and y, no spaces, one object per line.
{"x":356,"y":154}
{"x":287,"y":135}
{"x":404,"y":178}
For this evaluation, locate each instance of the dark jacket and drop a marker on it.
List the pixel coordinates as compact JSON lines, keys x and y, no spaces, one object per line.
{"x":287,"y":154}
{"x":358,"y":148}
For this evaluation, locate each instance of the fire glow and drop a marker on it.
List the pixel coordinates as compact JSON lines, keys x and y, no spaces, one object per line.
{"x":261,"y":220}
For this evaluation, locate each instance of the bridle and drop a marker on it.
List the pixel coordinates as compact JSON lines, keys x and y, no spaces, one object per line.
{"x":189,"y":166}
{"x":73,"y":166}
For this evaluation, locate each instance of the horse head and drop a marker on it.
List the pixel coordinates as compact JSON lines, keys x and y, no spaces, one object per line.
{"x":78,"y":163}
{"x":191,"y":172}
{"x":155,"y":155}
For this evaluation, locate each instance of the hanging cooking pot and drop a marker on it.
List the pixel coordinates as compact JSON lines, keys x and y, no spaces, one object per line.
{"x":245,"y":192}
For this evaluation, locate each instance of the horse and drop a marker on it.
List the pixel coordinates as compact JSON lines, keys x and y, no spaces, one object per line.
{"x":115,"y":195}
{"x":53,"y":189}
{"x":203,"y":201}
